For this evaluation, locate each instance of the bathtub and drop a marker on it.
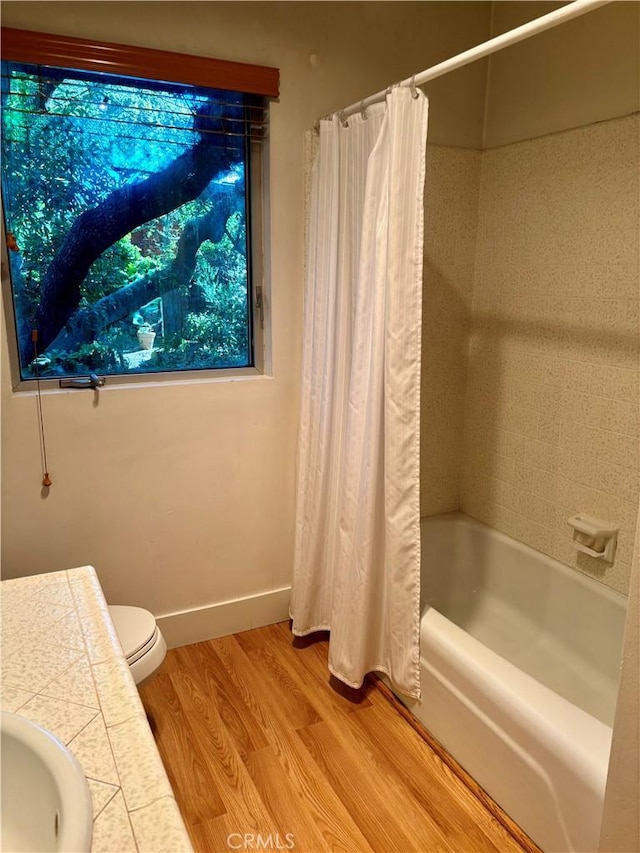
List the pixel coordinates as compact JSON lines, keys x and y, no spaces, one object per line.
{"x":519,"y":665}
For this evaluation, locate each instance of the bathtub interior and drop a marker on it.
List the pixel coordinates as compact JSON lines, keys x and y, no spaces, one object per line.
{"x":560,"y":627}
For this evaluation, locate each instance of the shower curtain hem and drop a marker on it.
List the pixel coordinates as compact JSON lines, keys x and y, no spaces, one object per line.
{"x":305,"y":631}
{"x":355,"y":685}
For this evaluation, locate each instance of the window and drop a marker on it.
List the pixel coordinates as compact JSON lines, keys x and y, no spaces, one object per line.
{"x":132,"y":208}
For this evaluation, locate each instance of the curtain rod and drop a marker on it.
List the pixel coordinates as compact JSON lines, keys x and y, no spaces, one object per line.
{"x":532,"y":28}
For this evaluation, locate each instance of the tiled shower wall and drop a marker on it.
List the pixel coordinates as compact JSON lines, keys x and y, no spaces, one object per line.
{"x":551,"y":416}
{"x":451,"y":211}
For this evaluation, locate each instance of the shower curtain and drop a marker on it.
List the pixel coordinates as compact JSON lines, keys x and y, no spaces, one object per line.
{"x":357,"y":547}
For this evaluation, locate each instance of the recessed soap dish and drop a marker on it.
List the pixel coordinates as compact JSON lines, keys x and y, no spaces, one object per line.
{"x":594,"y":537}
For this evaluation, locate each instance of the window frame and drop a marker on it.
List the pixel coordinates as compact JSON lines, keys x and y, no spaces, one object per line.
{"x":49,"y":49}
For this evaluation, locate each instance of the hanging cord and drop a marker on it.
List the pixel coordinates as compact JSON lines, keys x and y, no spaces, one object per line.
{"x":46,"y":479}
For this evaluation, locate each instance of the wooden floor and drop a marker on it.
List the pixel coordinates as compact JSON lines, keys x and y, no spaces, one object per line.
{"x":256,"y":740}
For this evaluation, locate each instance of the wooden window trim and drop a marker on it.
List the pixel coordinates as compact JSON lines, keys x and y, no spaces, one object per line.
{"x":65,"y":52}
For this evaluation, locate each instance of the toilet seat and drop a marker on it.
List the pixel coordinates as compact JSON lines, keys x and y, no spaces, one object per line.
{"x":141,"y":640}
{"x":135,"y":628}
{"x":144,"y":650}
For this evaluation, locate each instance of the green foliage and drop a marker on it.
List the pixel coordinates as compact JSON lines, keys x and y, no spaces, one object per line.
{"x":66,"y":146}
{"x":207,"y":342}
{"x":121,"y":264}
{"x":88,"y":358}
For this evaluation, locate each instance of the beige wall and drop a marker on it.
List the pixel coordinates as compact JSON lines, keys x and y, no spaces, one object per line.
{"x":451,"y":212}
{"x":552,"y":398}
{"x":583,"y":71}
{"x":184,"y":495}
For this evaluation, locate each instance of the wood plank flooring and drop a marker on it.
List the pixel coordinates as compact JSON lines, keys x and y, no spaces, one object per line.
{"x":258,"y":739}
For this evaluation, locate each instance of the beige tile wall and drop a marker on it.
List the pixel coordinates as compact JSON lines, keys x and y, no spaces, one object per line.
{"x":451,"y":206}
{"x":551,"y":417}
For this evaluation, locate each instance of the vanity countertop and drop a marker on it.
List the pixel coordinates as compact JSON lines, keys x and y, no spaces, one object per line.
{"x":63,"y":667}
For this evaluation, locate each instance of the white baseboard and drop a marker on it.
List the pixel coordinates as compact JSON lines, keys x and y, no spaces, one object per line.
{"x":226,"y":617}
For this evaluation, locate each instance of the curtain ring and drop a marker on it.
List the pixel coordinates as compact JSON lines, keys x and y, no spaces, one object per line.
{"x":414,"y":91}
{"x":363,"y":110}
{"x":343,"y":121}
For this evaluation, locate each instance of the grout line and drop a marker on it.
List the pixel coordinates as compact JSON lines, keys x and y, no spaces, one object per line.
{"x":78,"y":607}
{"x":66,"y":701}
{"x":110,"y":785}
{"x":134,"y":715}
{"x":26,"y":701}
{"x":86,"y":725}
{"x":157,"y":799}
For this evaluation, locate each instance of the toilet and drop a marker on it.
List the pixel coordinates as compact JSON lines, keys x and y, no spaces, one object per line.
{"x":141,"y":640}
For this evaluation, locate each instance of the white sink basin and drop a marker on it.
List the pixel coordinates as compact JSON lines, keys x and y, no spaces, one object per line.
{"x":46,"y":804}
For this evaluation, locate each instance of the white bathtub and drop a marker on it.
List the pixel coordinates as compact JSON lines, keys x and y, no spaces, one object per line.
{"x":520,"y":659}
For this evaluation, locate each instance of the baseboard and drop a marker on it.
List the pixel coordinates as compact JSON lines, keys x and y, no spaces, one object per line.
{"x":225,"y":617}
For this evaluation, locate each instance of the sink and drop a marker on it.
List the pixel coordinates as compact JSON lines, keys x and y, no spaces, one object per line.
{"x":46,"y":803}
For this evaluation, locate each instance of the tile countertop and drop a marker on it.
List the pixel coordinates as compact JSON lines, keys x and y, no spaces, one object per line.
{"x":63,"y":667}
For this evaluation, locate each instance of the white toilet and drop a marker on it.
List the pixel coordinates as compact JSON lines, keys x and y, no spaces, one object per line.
{"x":141,"y":640}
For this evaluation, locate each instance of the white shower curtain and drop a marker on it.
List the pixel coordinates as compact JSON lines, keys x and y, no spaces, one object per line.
{"x":357,"y":551}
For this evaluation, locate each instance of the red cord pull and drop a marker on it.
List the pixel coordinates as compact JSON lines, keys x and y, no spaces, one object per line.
{"x":46,"y":479}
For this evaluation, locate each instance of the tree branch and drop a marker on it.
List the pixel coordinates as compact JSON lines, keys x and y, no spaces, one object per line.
{"x":85,"y":324}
